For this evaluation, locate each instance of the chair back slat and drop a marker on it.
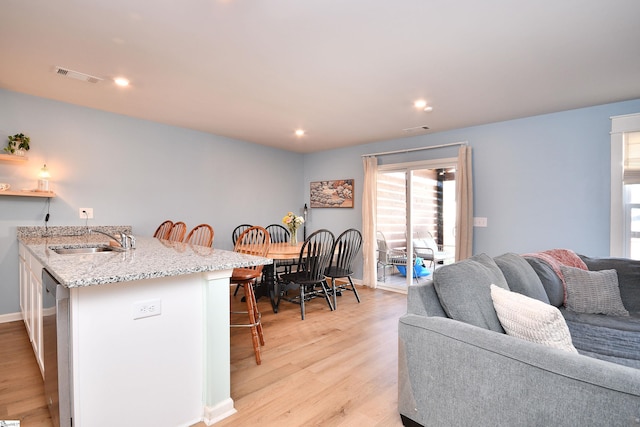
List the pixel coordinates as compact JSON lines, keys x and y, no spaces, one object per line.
{"x":178,"y":230}
{"x":238,"y":231}
{"x":278,"y":233}
{"x":254,"y":241}
{"x":315,"y":255}
{"x":346,"y":248}
{"x":163,"y":230}
{"x":201,"y":235}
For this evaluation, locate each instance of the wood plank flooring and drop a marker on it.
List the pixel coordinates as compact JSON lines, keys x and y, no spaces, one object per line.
{"x":21,"y":387}
{"x":332,"y":369}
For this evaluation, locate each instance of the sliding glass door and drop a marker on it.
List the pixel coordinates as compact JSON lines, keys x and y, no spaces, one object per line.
{"x":415,"y":220}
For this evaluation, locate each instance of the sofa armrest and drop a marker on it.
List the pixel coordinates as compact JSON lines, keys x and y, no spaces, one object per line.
{"x":423,"y":300}
{"x":455,"y":374}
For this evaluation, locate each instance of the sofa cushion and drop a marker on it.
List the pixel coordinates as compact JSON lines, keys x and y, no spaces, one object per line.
{"x":550,"y":280}
{"x":521,"y":277}
{"x":628,"y":278}
{"x":531,"y":319}
{"x":463,"y":290}
{"x":613,"y":338}
{"x":593,"y":291}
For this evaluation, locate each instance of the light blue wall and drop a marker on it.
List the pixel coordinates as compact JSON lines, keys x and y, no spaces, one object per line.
{"x":542,"y":181}
{"x":134,"y":172}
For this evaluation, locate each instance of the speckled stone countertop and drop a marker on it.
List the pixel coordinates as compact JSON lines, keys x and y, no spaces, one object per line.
{"x":152,"y":257}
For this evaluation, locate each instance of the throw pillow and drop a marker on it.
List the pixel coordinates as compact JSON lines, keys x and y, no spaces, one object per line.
{"x":553,"y":286}
{"x":531,"y":320}
{"x":521,"y":277}
{"x":463,"y":290}
{"x":594,"y":292}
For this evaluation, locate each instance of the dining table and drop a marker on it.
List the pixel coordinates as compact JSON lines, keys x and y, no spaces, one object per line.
{"x":279,"y":253}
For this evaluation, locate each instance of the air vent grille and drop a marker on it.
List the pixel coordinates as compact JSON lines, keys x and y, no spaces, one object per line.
{"x":65,"y":72}
{"x":416,"y":129}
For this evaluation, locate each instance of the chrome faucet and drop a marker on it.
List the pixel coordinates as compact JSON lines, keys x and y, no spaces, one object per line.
{"x":126,"y":241}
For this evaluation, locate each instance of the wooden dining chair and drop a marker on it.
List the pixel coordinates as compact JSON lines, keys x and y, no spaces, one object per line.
{"x":234,"y":238}
{"x":253,"y":241}
{"x":163,"y":230}
{"x":178,"y":230}
{"x":345,"y":249}
{"x":314,"y":259}
{"x":201,"y":235}
{"x":238,"y":231}
{"x":280,"y":234}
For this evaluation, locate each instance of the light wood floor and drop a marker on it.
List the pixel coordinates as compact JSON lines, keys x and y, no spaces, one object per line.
{"x":21,"y":387}
{"x":332,"y":369}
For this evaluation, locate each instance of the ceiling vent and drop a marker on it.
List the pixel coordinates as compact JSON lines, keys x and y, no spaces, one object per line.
{"x":416,"y":129}
{"x":65,"y":72}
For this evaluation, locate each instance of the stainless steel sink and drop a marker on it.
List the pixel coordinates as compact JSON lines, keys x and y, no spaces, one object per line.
{"x":83,"y":250}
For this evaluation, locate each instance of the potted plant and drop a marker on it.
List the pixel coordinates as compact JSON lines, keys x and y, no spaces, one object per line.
{"x":18,"y":144}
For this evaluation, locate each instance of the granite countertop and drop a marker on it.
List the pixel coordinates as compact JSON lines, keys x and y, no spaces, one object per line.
{"x":152,"y":258}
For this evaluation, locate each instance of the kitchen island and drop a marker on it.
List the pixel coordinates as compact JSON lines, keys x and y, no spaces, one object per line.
{"x":149,"y":327}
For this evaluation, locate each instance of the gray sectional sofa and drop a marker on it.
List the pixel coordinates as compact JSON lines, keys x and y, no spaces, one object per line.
{"x":458,"y":367}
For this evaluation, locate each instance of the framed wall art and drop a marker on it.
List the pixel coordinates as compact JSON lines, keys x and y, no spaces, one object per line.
{"x":332,"y":194}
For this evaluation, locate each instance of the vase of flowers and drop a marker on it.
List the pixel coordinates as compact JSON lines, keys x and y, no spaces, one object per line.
{"x":293,"y":222}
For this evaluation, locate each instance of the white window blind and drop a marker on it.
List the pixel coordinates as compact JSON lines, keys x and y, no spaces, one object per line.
{"x":631,"y":158}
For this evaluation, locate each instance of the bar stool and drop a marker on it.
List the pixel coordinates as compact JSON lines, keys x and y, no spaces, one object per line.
{"x":201,"y":235}
{"x":177,"y":232}
{"x":163,"y":230}
{"x":253,"y":241}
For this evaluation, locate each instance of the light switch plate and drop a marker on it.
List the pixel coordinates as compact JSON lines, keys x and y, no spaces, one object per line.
{"x":479,"y":221}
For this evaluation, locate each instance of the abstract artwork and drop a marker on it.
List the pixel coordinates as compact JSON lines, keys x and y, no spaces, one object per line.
{"x":332,"y":194}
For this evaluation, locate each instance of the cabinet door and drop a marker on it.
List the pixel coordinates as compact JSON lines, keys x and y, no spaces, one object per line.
{"x":24,"y":283}
{"x":36,"y":310}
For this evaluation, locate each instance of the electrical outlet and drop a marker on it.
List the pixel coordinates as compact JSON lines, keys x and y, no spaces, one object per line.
{"x":149,"y":308}
{"x":85,"y":213}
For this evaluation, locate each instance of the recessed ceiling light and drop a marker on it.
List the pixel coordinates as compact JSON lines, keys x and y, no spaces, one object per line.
{"x":420,"y":104}
{"x":121,"y":81}
{"x":299,"y":132}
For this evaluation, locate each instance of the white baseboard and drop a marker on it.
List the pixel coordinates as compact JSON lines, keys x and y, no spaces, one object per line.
{"x":213,"y":414}
{"x":10,"y":317}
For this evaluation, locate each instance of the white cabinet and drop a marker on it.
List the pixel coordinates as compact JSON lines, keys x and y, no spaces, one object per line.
{"x":31,"y":300}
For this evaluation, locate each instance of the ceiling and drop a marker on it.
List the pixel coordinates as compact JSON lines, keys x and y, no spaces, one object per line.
{"x":347,"y":72}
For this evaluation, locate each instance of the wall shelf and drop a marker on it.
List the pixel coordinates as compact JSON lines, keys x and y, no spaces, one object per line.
{"x":49,"y":194}
{"x":13,"y":158}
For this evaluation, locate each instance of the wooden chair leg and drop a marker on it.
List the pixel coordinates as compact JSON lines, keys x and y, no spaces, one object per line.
{"x":236,"y":291}
{"x":252,"y":310}
{"x":325,"y":291}
{"x":355,"y":291}
{"x":257,"y":315}
{"x":302,"y":301}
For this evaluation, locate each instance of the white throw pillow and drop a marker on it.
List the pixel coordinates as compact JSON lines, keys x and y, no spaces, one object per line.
{"x":531,"y":320}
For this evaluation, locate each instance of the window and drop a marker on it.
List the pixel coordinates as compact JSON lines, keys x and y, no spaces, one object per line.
{"x":416,"y":199}
{"x":625,"y":186}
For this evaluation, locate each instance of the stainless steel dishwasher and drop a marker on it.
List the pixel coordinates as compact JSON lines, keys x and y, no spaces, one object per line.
{"x":57,"y":367}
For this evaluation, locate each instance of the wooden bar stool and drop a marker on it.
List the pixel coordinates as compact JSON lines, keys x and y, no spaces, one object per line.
{"x":163,"y":230}
{"x":201,"y":235}
{"x":253,"y":241}
{"x":177,"y":232}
